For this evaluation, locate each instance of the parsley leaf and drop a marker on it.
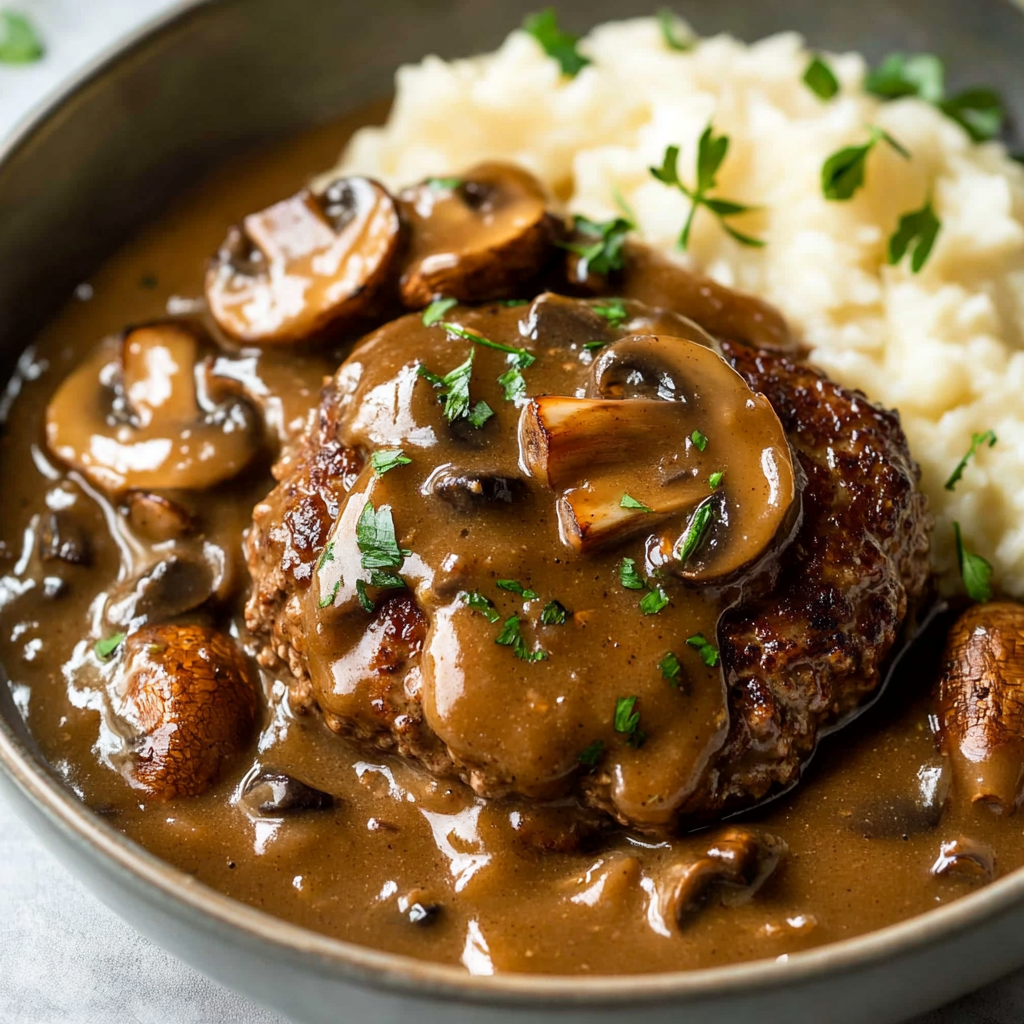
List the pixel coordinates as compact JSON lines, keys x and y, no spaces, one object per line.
{"x":592,"y":754}
{"x":612,"y":310}
{"x":511,"y":636}
{"x":555,"y":613}
{"x":671,"y":669}
{"x":715,"y":480}
{"x":699,"y":440}
{"x":975,"y":571}
{"x":20,"y":42}
{"x":711,"y":151}
{"x":514,"y":587}
{"x":386,"y":459}
{"x":326,"y":600}
{"x":627,"y":721}
{"x":630,"y":502}
{"x":977,"y":440}
{"x":593,"y":346}
{"x":446,"y":185}
{"x":696,"y":530}
{"x":707,"y":651}
{"x":479,"y":603}
{"x":821,"y":79}
{"x":327,"y":555}
{"x":978,"y":111}
{"x":919,"y":74}
{"x":654,"y":601}
{"x":436,"y":311}
{"x":919,"y":228}
{"x":364,"y":598}
{"x":523,"y":358}
{"x":513,"y":384}
{"x":672,"y":31}
{"x":481,"y":413}
{"x":453,"y":388}
{"x":842,"y":174}
{"x":559,"y":45}
{"x":106,"y":647}
{"x":631,"y":579}
{"x":378,"y":545}
{"x":605,"y":254}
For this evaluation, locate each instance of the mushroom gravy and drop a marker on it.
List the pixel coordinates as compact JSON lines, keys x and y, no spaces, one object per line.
{"x":371,"y":849}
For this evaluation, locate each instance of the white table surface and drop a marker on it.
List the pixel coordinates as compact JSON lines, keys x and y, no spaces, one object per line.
{"x":64,"y":958}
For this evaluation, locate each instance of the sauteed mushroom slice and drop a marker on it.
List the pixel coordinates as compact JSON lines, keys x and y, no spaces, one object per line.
{"x":147,"y":416}
{"x":670,"y":441}
{"x":981,"y":704}
{"x":187,"y":697}
{"x":305,"y":264}
{"x":475,"y":238}
{"x":967,"y":858}
{"x":157,"y":517}
{"x":274,"y":793}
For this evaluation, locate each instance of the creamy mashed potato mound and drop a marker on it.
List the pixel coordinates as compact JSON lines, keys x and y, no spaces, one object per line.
{"x":945,"y":347}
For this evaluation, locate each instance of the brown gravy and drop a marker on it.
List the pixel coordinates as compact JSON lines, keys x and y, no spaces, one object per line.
{"x":863,"y":828}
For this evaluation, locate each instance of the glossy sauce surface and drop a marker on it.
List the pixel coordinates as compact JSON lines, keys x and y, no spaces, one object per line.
{"x":499,"y":886}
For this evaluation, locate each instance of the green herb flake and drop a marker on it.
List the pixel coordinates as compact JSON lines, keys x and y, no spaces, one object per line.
{"x":628,"y":501}
{"x":627,"y":721}
{"x":511,"y":303}
{"x":436,"y":311}
{"x":979,"y":112}
{"x":593,"y":346}
{"x":672,"y":32}
{"x":375,"y":536}
{"x":515,"y":587}
{"x":511,"y":636}
{"x":364,"y":599}
{"x":917,"y":229}
{"x":481,"y":413}
{"x":453,"y":388}
{"x":707,"y":651}
{"x":711,"y":152}
{"x":513,"y":384}
{"x":671,"y":669}
{"x":613,"y":310}
{"x":106,"y":647}
{"x":386,"y":459}
{"x":975,"y":571}
{"x":699,"y":440}
{"x":19,"y":41}
{"x":654,"y":601}
{"x":522,"y":361}
{"x":821,"y":79}
{"x":715,"y":480}
{"x":605,"y":254}
{"x":843,"y":173}
{"x":326,"y":600}
{"x":327,"y":555}
{"x":696,"y":530}
{"x":444,"y":185}
{"x":592,"y":754}
{"x":559,"y":45}
{"x":631,"y":579}
{"x":479,"y":603}
{"x":989,"y":438}
{"x":555,"y":614}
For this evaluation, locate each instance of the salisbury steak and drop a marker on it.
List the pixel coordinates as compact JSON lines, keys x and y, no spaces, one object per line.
{"x":653,"y":686}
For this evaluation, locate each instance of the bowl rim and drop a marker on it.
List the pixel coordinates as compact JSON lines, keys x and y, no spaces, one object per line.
{"x":184,"y":896}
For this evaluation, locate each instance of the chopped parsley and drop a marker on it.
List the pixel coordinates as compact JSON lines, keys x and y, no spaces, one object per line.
{"x":513,"y":384}
{"x":513,"y":302}
{"x":453,"y":392}
{"x":696,"y":530}
{"x":386,"y":459}
{"x":558,"y":45}
{"x":364,"y":599}
{"x":378,"y":545}
{"x":671,"y":669}
{"x":511,"y":636}
{"x":975,"y":571}
{"x":436,"y":311}
{"x":654,"y":601}
{"x":707,"y":651}
{"x":612,"y":310}
{"x":604,"y":254}
{"x":628,"y":501}
{"x":715,"y":480}
{"x":555,"y":613}
{"x":524,"y":359}
{"x":480,"y":414}
{"x":19,"y":42}
{"x":592,"y":754}
{"x":631,"y":579}
{"x":106,"y":647}
{"x":672,"y":31}
{"x":479,"y":603}
{"x":711,"y":153}
{"x":979,"y":110}
{"x":515,"y":587}
{"x":328,"y":599}
{"x":842,"y":174}
{"x":327,"y":555}
{"x":699,"y":440}
{"x":627,"y":721}
{"x":821,"y":79}
{"x":917,"y":230}
{"x":444,"y":185}
{"x":977,"y":441}
{"x":593,"y":346}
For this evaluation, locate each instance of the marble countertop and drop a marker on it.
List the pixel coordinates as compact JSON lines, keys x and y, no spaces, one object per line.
{"x":64,"y":958}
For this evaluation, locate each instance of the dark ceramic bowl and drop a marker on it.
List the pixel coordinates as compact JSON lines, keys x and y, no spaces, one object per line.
{"x":106,"y":155}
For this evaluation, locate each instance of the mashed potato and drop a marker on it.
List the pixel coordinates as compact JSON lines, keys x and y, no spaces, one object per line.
{"x":945,"y":346}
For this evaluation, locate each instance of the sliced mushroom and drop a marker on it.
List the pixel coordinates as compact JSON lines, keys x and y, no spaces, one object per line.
{"x":639,"y":455}
{"x":478,"y":239}
{"x":737,"y":863}
{"x":186,"y":696}
{"x":157,"y":517}
{"x":63,"y":538}
{"x":966,"y":857}
{"x":147,"y":416}
{"x":981,"y":705}
{"x":275,"y":793}
{"x":467,"y":490}
{"x":305,"y":264}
